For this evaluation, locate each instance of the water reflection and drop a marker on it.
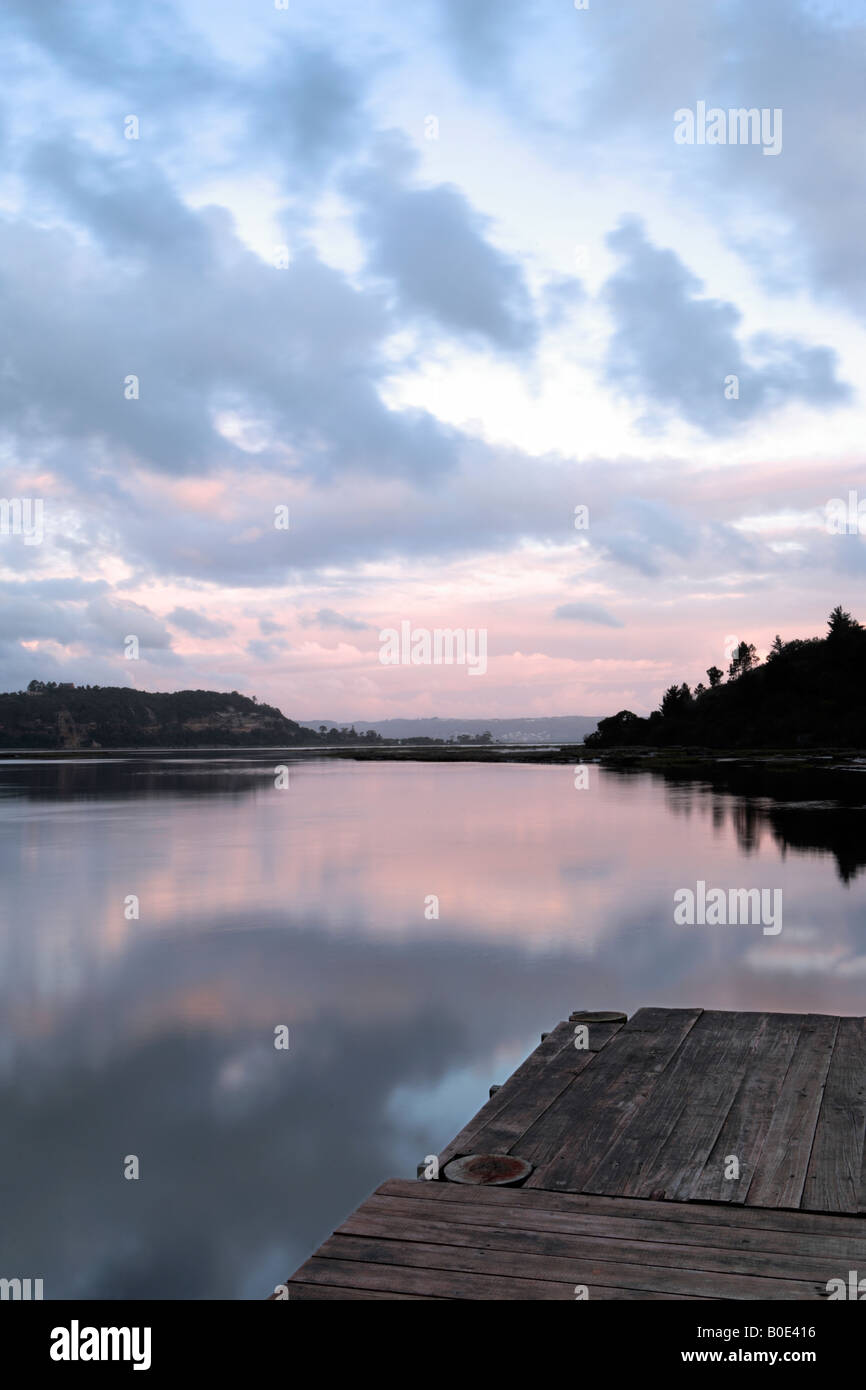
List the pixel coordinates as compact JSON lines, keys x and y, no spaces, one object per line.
{"x":258,"y":907}
{"x":806,"y":809}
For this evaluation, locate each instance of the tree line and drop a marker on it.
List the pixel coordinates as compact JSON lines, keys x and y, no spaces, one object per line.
{"x":808,"y":692}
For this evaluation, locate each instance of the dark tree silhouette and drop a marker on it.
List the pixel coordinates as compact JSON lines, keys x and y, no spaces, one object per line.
{"x":810,"y":692}
{"x":675,"y":699}
{"x":744,"y":658}
{"x":841,"y":625}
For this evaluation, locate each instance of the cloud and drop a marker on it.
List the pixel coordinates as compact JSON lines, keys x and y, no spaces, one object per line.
{"x":300,"y":348}
{"x":561,"y":297}
{"x":67,"y":589}
{"x":586,"y":613}
{"x":262,"y":651}
{"x":433,"y":247}
{"x":308,"y":106}
{"x":644,"y":534}
{"x":98,"y":46}
{"x":125,"y":201}
{"x":112,"y":620}
{"x":329,"y":617}
{"x":615,"y":82}
{"x":644,"y":63}
{"x":27,"y":618}
{"x":483,"y":35}
{"x":86,"y":618}
{"x":196,"y":623}
{"x":679,"y":351}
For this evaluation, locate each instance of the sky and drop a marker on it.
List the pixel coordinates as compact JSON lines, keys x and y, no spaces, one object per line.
{"x":321,"y":320}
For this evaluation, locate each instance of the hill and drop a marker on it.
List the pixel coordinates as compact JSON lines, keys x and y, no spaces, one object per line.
{"x":565,"y":728}
{"x":49,"y":715}
{"x":808,"y":693}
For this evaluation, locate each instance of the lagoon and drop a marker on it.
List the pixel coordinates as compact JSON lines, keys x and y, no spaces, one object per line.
{"x":307,"y":908}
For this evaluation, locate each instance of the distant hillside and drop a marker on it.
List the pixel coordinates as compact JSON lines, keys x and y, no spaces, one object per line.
{"x":48,"y":715}
{"x":809,"y":693}
{"x":566,"y":728}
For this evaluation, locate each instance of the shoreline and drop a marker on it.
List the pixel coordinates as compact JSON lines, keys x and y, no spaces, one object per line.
{"x":635,"y":758}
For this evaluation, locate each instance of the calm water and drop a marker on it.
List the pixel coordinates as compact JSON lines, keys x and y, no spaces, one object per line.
{"x":305,"y":907}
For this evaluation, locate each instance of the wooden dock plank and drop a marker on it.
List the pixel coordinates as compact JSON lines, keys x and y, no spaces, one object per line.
{"x":315,"y":1292}
{"x":745,"y":1128}
{"x":415,"y":1276}
{"x":529,"y":1070}
{"x":833,"y":1176}
{"x":307,"y":1293}
{"x":530,"y":1100}
{"x":611,"y":1243}
{"x":567,"y":1141}
{"x":549,"y":1276}
{"x":665,"y":1147}
{"x":781,"y":1175}
{"x":747,"y":1218}
{"x":531,"y":1090}
{"x":707,"y":1234}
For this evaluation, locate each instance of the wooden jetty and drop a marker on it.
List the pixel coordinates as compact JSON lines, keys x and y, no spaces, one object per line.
{"x":678,"y":1154}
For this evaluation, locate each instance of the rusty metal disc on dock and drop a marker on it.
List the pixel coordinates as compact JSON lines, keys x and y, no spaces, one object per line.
{"x":497,"y":1170}
{"x":584,"y":1016}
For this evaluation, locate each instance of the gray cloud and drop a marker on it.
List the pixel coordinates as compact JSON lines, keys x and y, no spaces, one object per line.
{"x":482,"y":36}
{"x":432,"y":246}
{"x":586,"y":613}
{"x":307,"y":106}
{"x":196,"y":623}
{"x":300,"y":347}
{"x":86,"y":615}
{"x":806,"y":61}
{"x":30,"y":618}
{"x":67,"y":589}
{"x":676,"y":350}
{"x":329,"y":617}
{"x":263,"y":651}
{"x":644,"y":534}
{"x":125,"y":200}
{"x":484,"y":507}
{"x":112,"y":620}
{"x":623,"y":73}
{"x":98,"y":45}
